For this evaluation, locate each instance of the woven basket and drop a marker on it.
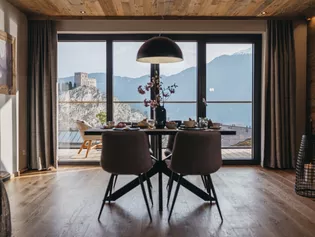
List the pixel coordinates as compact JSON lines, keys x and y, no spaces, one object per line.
{"x":305,"y":168}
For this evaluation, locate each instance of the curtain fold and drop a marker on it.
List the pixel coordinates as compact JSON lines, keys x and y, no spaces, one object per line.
{"x":279,"y":147}
{"x":42,"y":79}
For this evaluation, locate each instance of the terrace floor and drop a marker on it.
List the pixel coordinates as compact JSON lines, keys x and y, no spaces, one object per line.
{"x":71,"y":155}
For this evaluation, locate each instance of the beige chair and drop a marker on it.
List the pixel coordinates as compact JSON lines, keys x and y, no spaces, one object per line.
{"x":87,"y":140}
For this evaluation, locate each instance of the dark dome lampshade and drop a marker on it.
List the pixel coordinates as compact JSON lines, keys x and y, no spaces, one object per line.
{"x":159,"y":50}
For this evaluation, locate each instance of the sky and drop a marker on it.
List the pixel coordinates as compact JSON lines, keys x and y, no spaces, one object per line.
{"x":90,"y":57}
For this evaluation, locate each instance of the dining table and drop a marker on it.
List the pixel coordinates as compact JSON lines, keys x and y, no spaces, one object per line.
{"x":159,"y":166}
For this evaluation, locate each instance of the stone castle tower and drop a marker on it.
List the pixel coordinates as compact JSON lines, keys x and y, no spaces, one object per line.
{"x":82,"y":79}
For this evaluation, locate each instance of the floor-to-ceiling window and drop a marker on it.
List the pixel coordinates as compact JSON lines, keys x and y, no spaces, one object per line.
{"x":128,"y":74}
{"x":81,"y":93}
{"x":218,"y":79}
{"x":229,"y":95}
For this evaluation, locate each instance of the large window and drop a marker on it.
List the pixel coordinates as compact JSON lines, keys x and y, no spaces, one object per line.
{"x":183,"y":104}
{"x":218,"y":79}
{"x":128,"y":74}
{"x":81,"y":91}
{"x":229,"y":92}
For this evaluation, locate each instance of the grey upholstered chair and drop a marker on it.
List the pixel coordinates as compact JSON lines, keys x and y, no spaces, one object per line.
{"x":126,"y":152}
{"x":196,"y":153}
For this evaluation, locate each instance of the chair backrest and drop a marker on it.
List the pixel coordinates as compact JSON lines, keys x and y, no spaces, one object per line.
{"x":82,"y":126}
{"x":125,"y":152}
{"x":197,"y":152}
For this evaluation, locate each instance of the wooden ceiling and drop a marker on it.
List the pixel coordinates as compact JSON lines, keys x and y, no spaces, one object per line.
{"x":142,"y":8}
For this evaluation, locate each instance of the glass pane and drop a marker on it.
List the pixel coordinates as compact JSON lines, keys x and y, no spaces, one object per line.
{"x":130,"y":112}
{"x":181,"y":111}
{"x":184,"y":74}
{"x":128,"y":73}
{"x":237,"y":117}
{"x":229,"y":72}
{"x":81,"y":92}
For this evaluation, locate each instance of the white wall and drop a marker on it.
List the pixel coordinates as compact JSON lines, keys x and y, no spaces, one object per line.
{"x":13,"y":125}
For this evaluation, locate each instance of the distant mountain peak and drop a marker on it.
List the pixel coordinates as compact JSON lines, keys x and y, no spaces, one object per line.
{"x":244,"y":51}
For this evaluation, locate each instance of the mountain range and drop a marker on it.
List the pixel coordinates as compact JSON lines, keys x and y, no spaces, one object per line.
{"x":228,"y":78}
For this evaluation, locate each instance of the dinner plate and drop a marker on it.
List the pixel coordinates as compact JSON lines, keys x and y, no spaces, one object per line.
{"x":127,"y":129}
{"x":196,"y":128}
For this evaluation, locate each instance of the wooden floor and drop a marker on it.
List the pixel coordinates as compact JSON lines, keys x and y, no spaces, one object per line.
{"x":68,"y":155}
{"x":254,"y":201}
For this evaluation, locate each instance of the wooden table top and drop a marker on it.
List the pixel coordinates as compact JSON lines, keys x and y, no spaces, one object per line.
{"x":99,"y":131}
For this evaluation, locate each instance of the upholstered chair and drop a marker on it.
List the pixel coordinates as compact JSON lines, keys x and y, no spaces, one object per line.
{"x":126,"y":153}
{"x":196,"y":153}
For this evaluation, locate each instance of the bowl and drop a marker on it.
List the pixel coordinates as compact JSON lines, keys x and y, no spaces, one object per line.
{"x":190,"y":124}
{"x":179,"y":122}
{"x":171,"y":125}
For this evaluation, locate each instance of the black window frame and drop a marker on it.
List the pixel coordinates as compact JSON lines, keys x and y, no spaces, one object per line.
{"x":202,"y":40}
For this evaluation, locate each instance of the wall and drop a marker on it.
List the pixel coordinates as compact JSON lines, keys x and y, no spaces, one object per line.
{"x":13,"y":125}
{"x":300,"y":38}
{"x":147,"y":26}
{"x":311,"y":67}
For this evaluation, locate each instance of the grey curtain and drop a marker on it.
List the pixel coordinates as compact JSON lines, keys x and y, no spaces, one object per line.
{"x":42,"y":79}
{"x":279,"y":147}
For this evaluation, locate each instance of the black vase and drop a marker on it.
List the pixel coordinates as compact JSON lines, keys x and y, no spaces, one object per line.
{"x":160,"y":113}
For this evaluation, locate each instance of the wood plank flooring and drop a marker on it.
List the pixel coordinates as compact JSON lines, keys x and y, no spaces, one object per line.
{"x":254,"y":201}
{"x":69,"y":155}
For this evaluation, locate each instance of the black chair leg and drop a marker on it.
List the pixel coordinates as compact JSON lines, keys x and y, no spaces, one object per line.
{"x":170,"y":189}
{"x":215,"y":196}
{"x":111,"y":187}
{"x":208,"y":187}
{"x":175,"y":196}
{"x":145,"y":196}
{"x":204,"y":181}
{"x":106,"y":193}
{"x":149,"y":188}
{"x":115,"y":180}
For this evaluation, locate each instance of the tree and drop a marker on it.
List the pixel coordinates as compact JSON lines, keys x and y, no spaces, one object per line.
{"x":102,"y":117}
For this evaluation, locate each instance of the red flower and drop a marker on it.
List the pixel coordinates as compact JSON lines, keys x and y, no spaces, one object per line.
{"x":147,"y":102}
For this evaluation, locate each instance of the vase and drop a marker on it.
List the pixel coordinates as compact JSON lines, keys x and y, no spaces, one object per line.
{"x":160,"y":113}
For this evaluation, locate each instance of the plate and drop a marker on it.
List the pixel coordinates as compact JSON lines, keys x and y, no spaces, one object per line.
{"x":119,"y":129}
{"x":184,"y":128}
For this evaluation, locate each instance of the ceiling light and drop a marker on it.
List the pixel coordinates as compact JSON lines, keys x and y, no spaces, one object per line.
{"x":82,"y":12}
{"x":159,"y":50}
{"x":263,"y":13}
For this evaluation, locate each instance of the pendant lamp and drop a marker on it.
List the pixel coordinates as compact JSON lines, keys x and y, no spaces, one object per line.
{"x":158,"y":50}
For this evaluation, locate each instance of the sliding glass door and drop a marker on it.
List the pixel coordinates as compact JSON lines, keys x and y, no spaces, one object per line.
{"x":229,"y":95}
{"x":81,"y":94}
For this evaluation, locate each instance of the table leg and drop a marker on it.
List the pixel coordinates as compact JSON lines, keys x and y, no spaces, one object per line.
{"x":159,"y":149}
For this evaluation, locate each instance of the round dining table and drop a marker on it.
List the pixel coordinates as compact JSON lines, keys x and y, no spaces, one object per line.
{"x":159,"y":166}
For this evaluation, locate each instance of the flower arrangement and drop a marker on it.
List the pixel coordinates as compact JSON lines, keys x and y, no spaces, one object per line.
{"x":162,"y":93}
